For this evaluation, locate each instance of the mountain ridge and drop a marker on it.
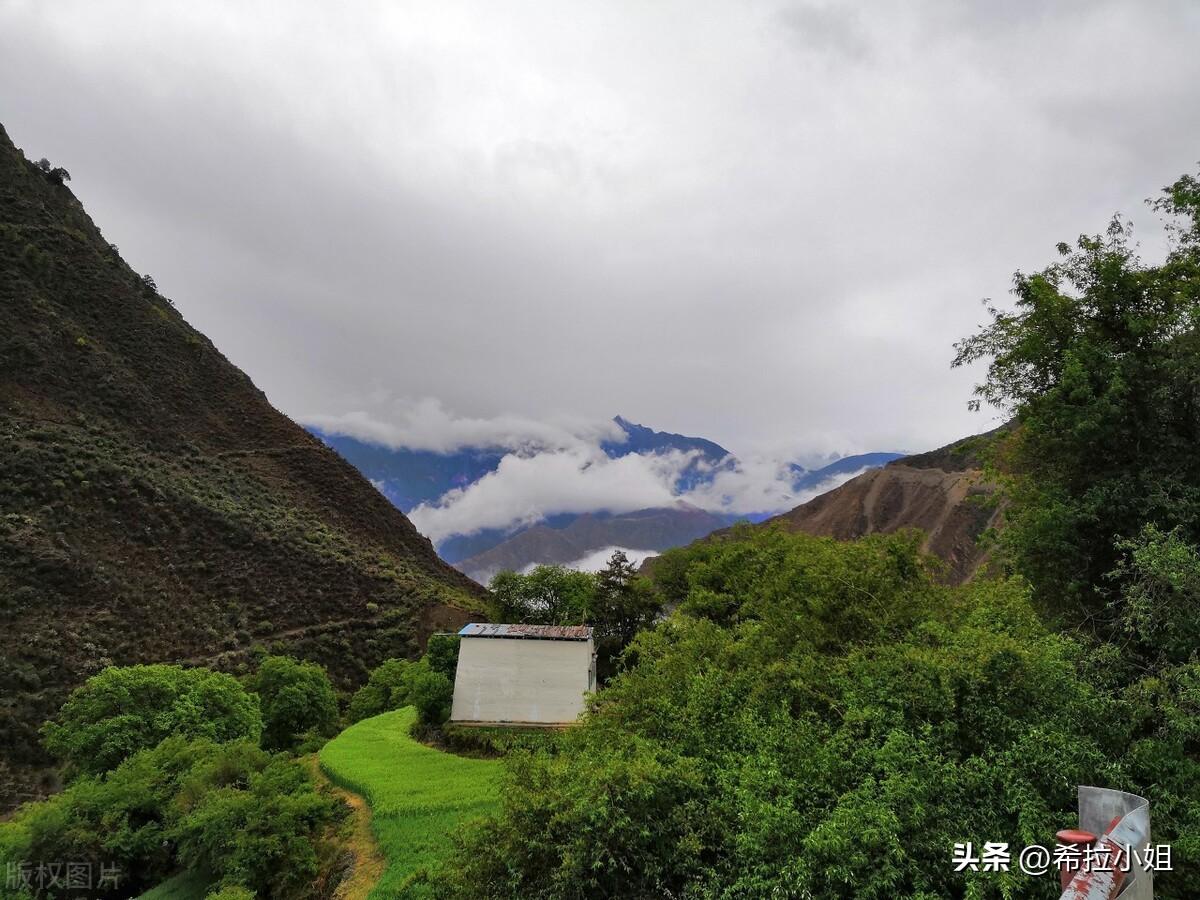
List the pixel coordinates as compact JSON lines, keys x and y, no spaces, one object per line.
{"x":154,"y":506}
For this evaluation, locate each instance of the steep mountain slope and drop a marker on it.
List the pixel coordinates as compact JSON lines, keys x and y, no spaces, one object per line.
{"x":153,"y":505}
{"x":941,"y":492}
{"x":647,"y":529}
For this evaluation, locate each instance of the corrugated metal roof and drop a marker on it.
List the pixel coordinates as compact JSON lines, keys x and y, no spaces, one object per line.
{"x":534,"y":632}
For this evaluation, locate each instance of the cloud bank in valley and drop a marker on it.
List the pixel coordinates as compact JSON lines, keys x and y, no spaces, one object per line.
{"x":561,"y":467}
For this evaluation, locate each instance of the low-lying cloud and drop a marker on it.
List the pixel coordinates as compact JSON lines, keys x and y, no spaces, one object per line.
{"x":426,"y":424}
{"x":525,"y":490}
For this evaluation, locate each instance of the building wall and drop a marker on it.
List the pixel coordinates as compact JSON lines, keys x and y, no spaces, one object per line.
{"x":507,"y":680}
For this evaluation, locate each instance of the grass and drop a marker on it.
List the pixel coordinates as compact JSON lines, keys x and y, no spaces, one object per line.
{"x":417,"y":795}
{"x":184,"y":886}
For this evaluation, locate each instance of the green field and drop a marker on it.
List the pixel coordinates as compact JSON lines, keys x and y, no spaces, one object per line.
{"x":417,"y":795}
{"x":184,"y":886}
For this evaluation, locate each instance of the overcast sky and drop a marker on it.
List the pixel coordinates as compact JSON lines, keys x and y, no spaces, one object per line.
{"x":760,"y":222}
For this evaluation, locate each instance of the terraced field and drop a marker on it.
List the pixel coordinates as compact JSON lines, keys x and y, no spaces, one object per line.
{"x":417,"y":795}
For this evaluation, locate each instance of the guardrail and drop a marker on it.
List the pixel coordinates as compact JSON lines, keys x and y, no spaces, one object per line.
{"x":1123,"y":822}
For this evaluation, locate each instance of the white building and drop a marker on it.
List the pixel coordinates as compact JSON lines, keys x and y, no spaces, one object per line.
{"x":523,"y":674}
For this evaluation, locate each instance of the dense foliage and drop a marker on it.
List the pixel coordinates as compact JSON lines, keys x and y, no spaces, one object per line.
{"x":1100,"y":364}
{"x":166,"y":772}
{"x":233,"y":809}
{"x":825,"y":720}
{"x":123,"y":710}
{"x":426,"y":684}
{"x":298,"y":702}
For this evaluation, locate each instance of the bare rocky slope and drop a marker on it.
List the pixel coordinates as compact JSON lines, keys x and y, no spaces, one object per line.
{"x":943,"y":493}
{"x":154,"y":506}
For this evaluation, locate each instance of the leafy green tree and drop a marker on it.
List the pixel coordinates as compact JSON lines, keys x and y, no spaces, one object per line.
{"x":233,"y":892}
{"x":442,"y":653}
{"x":253,"y":818}
{"x":122,"y":819}
{"x":623,"y":604}
{"x":297,"y":699}
{"x":1100,"y":365}
{"x":256,"y":821}
{"x":126,"y":709}
{"x":548,"y":595}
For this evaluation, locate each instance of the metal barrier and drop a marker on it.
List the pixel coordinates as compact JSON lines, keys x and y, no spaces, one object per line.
{"x":1123,"y":822}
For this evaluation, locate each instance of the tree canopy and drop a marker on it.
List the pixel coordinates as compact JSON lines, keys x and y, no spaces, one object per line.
{"x":1099,"y":363}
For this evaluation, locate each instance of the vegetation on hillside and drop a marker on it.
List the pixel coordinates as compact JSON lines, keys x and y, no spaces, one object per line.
{"x":826,"y":720}
{"x":155,"y":507}
{"x":171,"y":769}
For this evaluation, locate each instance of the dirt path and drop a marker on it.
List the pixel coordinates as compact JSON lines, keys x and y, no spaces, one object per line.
{"x":358,"y":839}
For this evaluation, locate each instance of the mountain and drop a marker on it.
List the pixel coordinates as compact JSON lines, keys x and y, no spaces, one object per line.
{"x":647,"y":529}
{"x":942,"y":492}
{"x":806,"y":479}
{"x":153,"y":505}
{"x":411,"y":477}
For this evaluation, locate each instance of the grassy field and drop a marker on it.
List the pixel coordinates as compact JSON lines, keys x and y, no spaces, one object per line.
{"x":417,"y":795}
{"x":184,"y":886}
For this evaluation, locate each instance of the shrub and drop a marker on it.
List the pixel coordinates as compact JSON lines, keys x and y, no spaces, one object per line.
{"x":386,"y":689}
{"x":823,"y":719}
{"x":255,"y":820}
{"x":233,"y":892}
{"x":126,"y":709}
{"x":432,"y":694}
{"x":297,"y":700}
{"x":442,"y":653}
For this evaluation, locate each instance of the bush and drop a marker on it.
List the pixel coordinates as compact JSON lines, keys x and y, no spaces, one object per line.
{"x":385,"y":690}
{"x":123,"y":710}
{"x":432,"y":693}
{"x":255,"y":821}
{"x":233,"y":892}
{"x":442,"y":653}
{"x":297,"y":701}
{"x":228,"y":808}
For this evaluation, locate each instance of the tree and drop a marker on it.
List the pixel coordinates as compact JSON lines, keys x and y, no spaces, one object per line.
{"x":297,"y":699}
{"x":386,"y":689}
{"x":623,"y":605}
{"x":56,"y":174}
{"x":549,"y":595}
{"x":126,"y":709}
{"x":1100,"y":365}
{"x":833,"y":733}
{"x":254,"y":819}
{"x":442,"y":653}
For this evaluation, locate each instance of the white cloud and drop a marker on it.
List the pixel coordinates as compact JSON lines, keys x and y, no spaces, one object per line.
{"x":598,"y":559}
{"x":526,"y":489}
{"x":427,"y":425}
